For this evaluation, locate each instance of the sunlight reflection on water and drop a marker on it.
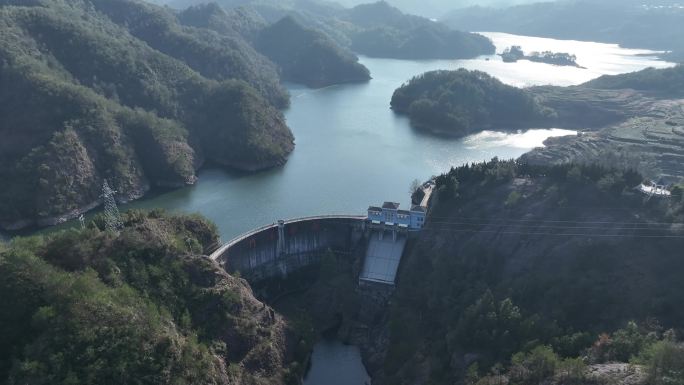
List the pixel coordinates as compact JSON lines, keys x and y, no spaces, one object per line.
{"x":526,"y":140}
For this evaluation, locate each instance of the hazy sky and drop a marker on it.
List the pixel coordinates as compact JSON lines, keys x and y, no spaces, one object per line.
{"x":437,"y":8}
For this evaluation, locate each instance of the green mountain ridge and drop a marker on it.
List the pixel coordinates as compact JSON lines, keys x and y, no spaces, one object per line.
{"x":303,"y":54}
{"x":375,"y":29}
{"x":84,"y":100}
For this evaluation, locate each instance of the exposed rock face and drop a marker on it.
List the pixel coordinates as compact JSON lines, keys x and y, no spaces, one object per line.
{"x":621,"y":374}
{"x":256,"y":337}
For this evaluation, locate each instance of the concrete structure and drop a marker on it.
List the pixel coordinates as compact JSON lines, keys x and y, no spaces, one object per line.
{"x":280,"y":248}
{"x":389,"y":229}
{"x":286,"y":246}
{"x":383,"y":256}
{"x":390,"y":216}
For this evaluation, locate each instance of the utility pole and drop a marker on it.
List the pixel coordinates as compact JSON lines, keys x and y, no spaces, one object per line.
{"x":112,"y":217}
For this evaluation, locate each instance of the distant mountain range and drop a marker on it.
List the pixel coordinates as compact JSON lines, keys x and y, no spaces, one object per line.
{"x":656,"y":24}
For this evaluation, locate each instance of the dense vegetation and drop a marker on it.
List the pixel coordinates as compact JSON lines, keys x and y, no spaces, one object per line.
{"x":242,"y":21}
{"x":526,"y":275}
{"x":384,"y":31}
{"x":142,"y":306}
{"x":462,"y":102}
{"x":628,"y":23}
{"x":668,"y":81}
{"x":304,"y":54}
{"x":308,"y":56}
{"x":120,"y":90}
{"x":376,"y":29}
{"x":515,"y":53}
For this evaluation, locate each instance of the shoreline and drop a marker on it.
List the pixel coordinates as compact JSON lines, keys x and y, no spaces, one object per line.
{"x":31,"y":226}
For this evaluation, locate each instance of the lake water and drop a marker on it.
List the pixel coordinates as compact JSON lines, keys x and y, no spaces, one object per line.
{"x":353,"y":151}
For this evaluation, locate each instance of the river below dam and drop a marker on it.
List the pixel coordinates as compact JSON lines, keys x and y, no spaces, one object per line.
{"x":352,"y":151}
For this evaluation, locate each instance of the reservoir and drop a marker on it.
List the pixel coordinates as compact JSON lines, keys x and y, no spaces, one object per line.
{"x":353,"y":151}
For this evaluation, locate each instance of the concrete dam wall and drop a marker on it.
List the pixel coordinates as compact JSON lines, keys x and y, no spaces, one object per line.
{"x":287,"y":246}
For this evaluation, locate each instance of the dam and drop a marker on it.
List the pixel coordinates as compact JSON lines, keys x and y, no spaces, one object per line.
{"x":286,"y":246}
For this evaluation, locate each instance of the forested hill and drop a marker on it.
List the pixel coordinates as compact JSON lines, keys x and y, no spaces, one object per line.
{"x":384,"y":31}
{"x":303,"y":54}
{"x":143,"y":306}
{"x":521,"y":270}
{"x":308,"y":56}
{"x":463,"y":102}
{"x":374,"y":29}
{"x":119,"y":90}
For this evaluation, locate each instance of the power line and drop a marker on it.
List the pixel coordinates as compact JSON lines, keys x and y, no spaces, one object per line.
{"x":559,"y":221}
{"x":625,"y":226}
{"x":592,"y":235}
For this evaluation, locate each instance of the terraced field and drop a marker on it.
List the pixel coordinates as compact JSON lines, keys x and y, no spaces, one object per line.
{"x":617,"y":128}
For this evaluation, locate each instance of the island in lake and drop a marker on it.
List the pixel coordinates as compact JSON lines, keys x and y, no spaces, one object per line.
{"x":515,"y":53}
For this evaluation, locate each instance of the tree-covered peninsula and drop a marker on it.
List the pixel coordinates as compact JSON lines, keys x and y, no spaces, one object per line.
{"x":462,"y":102}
